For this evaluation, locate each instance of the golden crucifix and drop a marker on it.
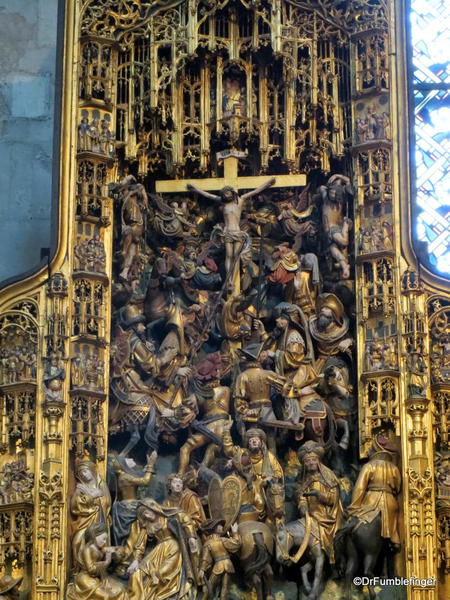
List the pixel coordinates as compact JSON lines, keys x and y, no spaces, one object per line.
{"x":232,"y":203}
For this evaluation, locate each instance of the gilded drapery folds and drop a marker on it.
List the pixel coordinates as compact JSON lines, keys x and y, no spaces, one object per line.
{"x":229,"y":365}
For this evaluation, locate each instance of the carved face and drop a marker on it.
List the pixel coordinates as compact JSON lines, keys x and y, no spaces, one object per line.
{"x":219,"y":529}
{"x":86,"y":475}
{"x":100,"y":540}
{"x":282,"y":322}
{"x":176,"y":485}
{"x":149,"y":515}
{"x":130,"y":462}
{"x":325,"y":318}
{"x":254,"y":443}
{"x":311,"y":463}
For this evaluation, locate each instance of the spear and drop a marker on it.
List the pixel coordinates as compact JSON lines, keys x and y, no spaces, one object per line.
{"x":196,"y":347}
{"x":260,"y":273}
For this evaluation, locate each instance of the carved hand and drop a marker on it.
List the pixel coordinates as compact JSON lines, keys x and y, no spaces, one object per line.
{"x":151,"y":458}
{"x":133,"y":566}
{"x":167,"y":412}
{"x":184,"y":372}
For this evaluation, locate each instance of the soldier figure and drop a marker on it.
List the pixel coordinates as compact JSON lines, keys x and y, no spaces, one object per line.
{"x":216,"y":558}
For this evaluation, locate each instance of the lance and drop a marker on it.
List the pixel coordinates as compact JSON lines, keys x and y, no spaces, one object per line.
{"x":196,"y":347}
{"x":260,"y":267}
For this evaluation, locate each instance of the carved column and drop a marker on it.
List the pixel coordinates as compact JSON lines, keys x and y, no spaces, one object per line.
{"x":19,"y":351}
{"x":392,"y":311}
{"x":375,"y":235}
{"x":91,"y":256}
{"x":439,"y":324}
{"x":71,"y":412}
{"x":51,"y":442}
{"x":417,"y":439}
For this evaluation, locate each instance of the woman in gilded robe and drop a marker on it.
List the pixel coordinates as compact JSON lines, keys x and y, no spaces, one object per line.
{"x":91,"y":582}
{"x":166,"y":570}
{"x":90,"y":504}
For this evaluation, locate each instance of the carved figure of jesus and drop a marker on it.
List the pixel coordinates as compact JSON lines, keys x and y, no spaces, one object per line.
{"x":232,"y":205}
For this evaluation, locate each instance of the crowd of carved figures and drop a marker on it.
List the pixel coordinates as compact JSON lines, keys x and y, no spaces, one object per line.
{"x":235,"y":433}
{"x":232,"y":373}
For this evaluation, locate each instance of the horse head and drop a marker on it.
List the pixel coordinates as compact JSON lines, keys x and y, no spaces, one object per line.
{"x":275,"y":502}
{"x":283,"y":544}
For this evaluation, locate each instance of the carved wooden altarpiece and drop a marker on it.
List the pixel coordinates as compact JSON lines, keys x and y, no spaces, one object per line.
{"x":171,"y":280}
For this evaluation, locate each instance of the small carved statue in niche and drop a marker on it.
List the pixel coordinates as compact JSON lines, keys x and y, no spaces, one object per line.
{"x":17,"y":363}
{"x":9,"y":587}
{"x":90,"y":255}
{"x":83,"y":133}
{"x":376,"y":237}
{"x":374,"y":356}
{"x":215,"y":562}
{"x":362,"y":130}
{"x":106,"y":138}
{"x":54,"y":375}
{"x":417,"y":370}
{"x":336,"y":196}
{"x":372,"y":124}
{"x":94,"y":135}
{"x":16,"y":483}
{"x":233,"y":101}
{"x":87,"y":371}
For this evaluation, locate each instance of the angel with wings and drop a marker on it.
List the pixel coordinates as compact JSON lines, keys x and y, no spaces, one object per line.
{"x":171,"y":219}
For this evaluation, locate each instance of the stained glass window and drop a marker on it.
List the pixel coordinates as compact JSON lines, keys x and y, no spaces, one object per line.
{"x":430,"y":33}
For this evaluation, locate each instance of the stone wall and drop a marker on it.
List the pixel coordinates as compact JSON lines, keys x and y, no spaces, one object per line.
{"x":27,"y":104}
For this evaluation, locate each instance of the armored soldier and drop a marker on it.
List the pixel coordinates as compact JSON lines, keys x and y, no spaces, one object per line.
{"x":216,"y":557}
{"x":263,"y":469}
{"x":252,"y":392}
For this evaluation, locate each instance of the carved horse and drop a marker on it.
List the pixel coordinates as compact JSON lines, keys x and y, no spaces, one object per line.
{"x":274,"y":498}
{"x":255,"y":556}
{"x":294,"y":534}
{"x":320,"y":425}
{"x":360,"y":544}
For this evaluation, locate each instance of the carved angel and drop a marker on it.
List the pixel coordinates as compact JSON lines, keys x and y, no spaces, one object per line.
{"x":171,"y":219}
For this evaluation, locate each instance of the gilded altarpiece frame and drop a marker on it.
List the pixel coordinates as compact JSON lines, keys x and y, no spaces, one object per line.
{"x":54,"y":409}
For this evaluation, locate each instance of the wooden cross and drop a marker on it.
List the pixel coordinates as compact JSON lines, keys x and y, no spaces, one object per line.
{"x":230,"y":159}
{"x":232,"y":179}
